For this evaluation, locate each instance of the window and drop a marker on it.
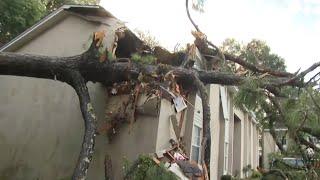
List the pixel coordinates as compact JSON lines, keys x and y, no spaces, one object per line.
{"x":226,"y":148}
{"x":197,"y":131}
{"x":196,"y":143}
{"x":226,"y":106}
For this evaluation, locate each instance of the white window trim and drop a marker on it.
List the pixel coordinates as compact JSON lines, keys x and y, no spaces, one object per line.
{"x":197,"y":123}
{"x":225,"y":101}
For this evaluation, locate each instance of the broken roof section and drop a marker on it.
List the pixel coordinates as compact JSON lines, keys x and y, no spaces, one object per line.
{"x":91,"y":13}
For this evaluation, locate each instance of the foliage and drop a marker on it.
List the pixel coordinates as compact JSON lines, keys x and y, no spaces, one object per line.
{"x":296,"y":107}
{"x":145,"y":168}
{"x":256,"y":174}
{"x":198,"y":5}
{"x":247,"y":170}
{"x":143,"y":59}
{"x":256,"y":52}
{"x":17,"y":15}
{"x":226,"y":177}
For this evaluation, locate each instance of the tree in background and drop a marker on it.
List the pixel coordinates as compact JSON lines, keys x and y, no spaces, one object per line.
{"x":293,"y":107}
{"x":18,"y":15}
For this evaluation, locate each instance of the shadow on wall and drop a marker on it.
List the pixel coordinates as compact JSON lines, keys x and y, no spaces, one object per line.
{"x":19,"y":171}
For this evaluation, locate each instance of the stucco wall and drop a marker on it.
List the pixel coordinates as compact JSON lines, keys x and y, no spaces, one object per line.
{"x":41,"y":126}
{"x":130,"y":140}
{"x":237,"y":151}
{"x":269,"y":146}
{"x":215,"y":125}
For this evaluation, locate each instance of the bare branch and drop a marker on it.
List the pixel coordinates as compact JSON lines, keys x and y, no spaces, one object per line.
{"x":312,"y":78}
{"x":189,"y":16}
{"x":307,"y":143}
{"x":313,"y":100}
{"x":254,"y":68}
{"x":311,"y":131}
{"x":301,"y":75}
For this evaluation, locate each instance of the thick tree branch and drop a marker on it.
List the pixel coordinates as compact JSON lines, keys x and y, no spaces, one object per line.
{"x":36,"y":65}
{"x":109,"y":72}
{"x":189,"y":16}
{"x":227,"y":56}
{"x":206,"y":140}
{"x":307,"y":143}
{"x":86,"y":153}
{"x":77,"y":70}
{"x":311,"y":131}
{"x":295,"y":79}
{"x":255,"y":68}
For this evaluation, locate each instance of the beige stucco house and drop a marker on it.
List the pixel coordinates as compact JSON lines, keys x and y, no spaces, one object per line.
{"x":235,"y":135}
{"x":41,"y":126}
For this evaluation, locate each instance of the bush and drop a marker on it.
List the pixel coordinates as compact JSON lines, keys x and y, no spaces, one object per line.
{"x":145,"y":168}
{"x":226,"y":177}
{"x":256,"y":174}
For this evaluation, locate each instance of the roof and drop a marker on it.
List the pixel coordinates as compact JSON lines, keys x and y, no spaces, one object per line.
{"x":93,"y":13}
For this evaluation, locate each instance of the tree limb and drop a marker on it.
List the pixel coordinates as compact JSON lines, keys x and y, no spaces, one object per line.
{"x":206,"y":140}
{"x":307,"y":143}
{"x":311,"y":131}
{"x":295,"y":79}
{"x":86,"y":153}
{"x":255,"y":68}
{"x":76,"y":70}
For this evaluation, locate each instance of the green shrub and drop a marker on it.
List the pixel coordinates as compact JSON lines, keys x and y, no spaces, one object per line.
{"x":145,"y":168}
{"x":256,"y":174}
{"x":226,"y":177}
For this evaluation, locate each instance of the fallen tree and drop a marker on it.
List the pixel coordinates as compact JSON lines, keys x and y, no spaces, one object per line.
{"x":78,"y":70}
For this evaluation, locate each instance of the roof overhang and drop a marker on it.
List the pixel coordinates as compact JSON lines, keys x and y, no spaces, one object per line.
{"x":53,"y":18}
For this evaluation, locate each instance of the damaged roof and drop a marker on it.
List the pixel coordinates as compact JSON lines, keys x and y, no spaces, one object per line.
{"x":93,"y":13}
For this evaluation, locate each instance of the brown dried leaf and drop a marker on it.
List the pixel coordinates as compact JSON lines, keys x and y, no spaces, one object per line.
{"x":98,"y":37}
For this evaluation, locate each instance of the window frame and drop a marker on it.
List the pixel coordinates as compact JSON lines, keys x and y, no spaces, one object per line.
{"x":197,"y":123}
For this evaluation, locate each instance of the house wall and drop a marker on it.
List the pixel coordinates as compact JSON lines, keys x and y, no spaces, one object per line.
{"x":255,"y":154}
{"x":237,"y":147}
{"x":130,"y":140}
{"x":237,"y":168}
{"x":269,"y":146}
{"x":188,"y":125}
{"x":231,"y":133}
{"x":41,"y":126}
{"x":215,"y":129}
{"x":221,"y":145}
{"x":245,"y":142}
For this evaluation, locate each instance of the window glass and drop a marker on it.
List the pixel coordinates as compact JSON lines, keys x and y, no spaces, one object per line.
{"x":195,"y":154}
{"x":197,"y":131}
{"x":196,"y":135}
{"x":226,"y":149}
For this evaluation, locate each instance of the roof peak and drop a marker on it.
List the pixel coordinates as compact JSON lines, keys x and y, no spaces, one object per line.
{"x":92,"y":10}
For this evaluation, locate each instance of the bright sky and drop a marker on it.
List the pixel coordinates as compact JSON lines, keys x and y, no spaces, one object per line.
{"x":290,"y":27}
